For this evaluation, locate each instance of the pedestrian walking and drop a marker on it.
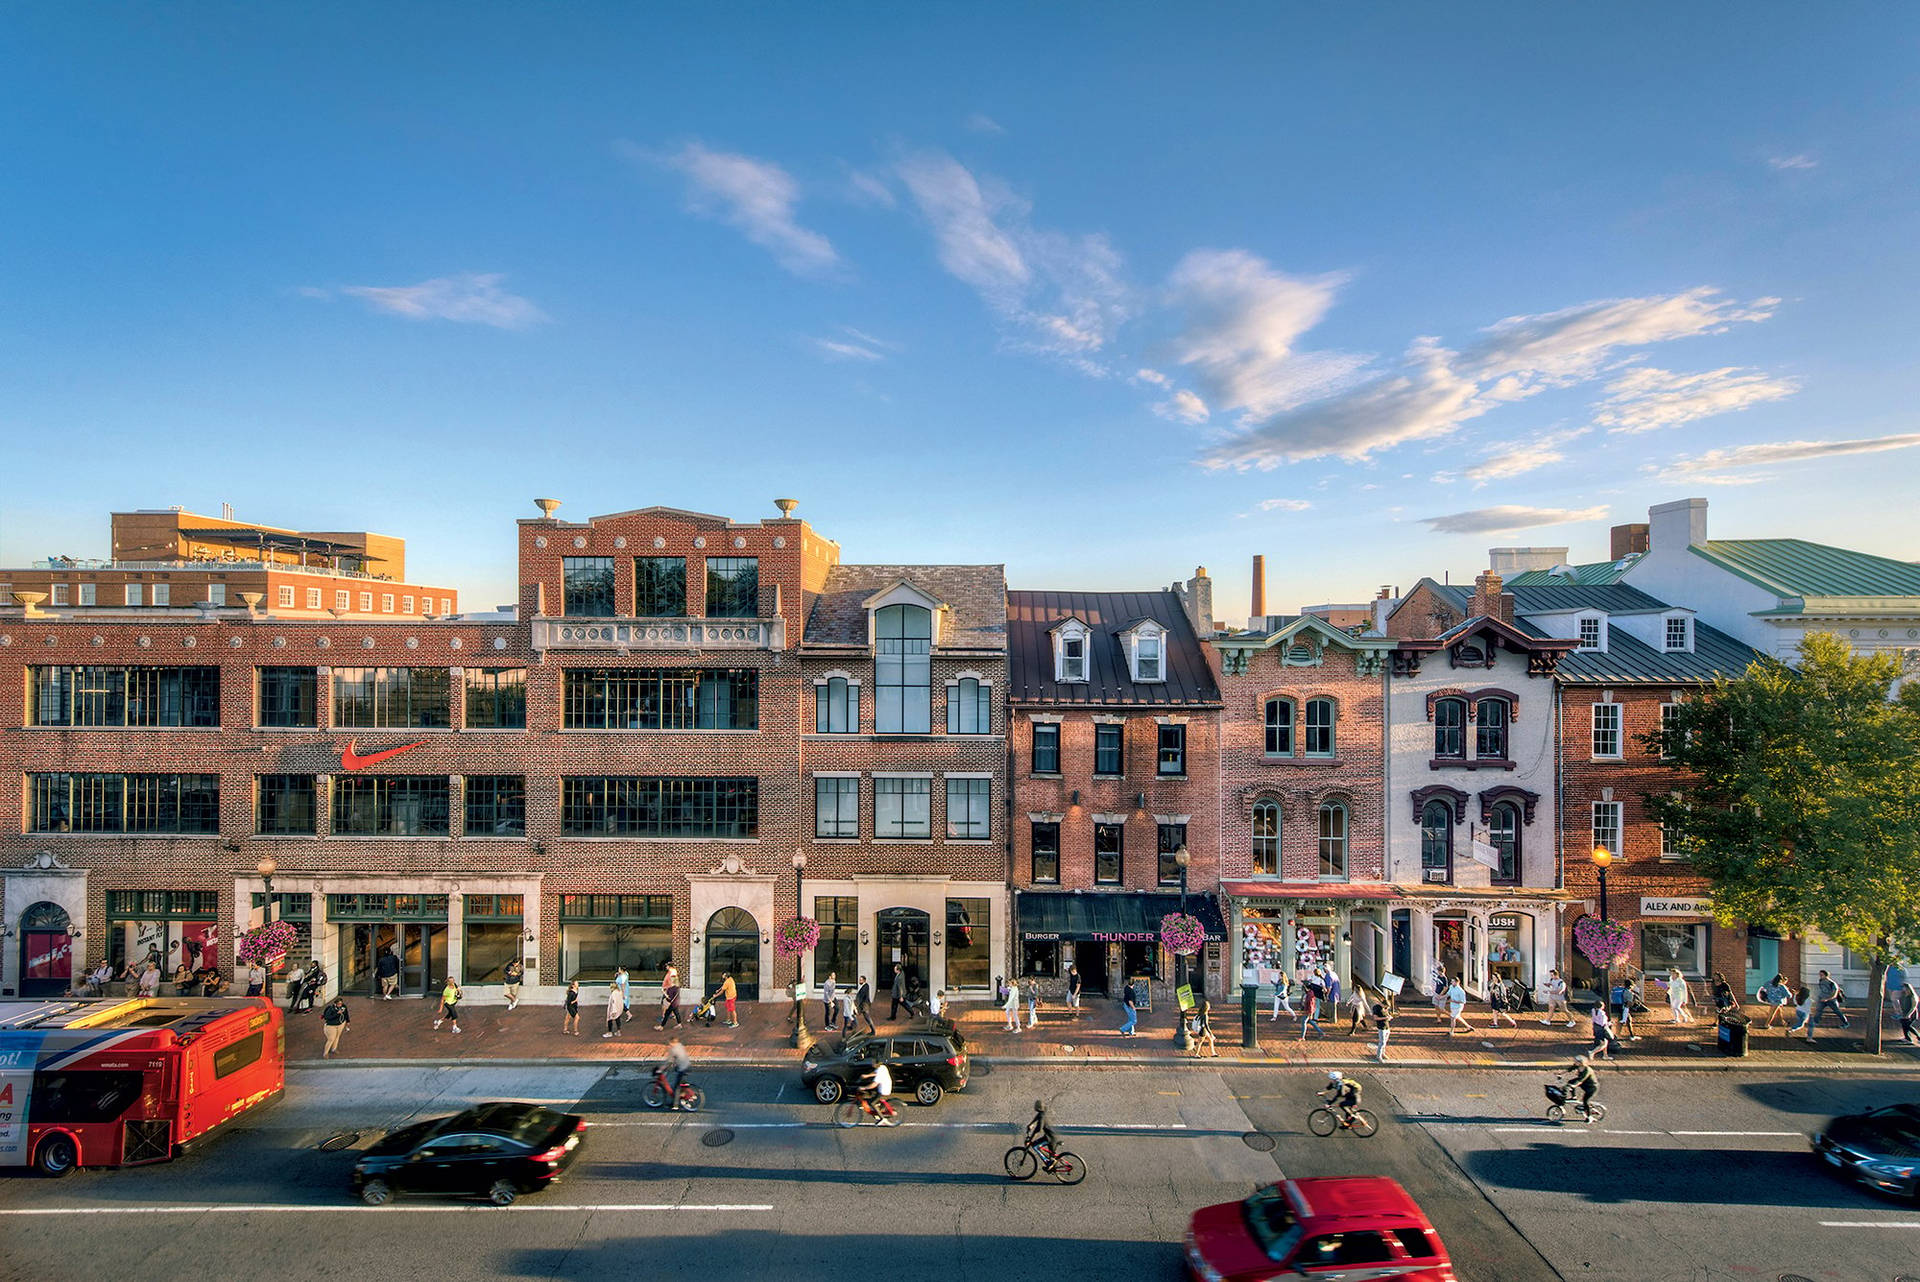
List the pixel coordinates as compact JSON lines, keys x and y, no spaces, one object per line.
{"x":670,"y":1000}
{"x":256,"y":980}
{"x":333,"y":1022}
{"x":1554,"y":993}
{"x":1130,"y":1007}
{"x":1828,"y":995}
{"x":1282,"y":996}
{"x":570,"y":1025}
{"x":1909,"y":1014}
{"x":899,"y":990}
{"x":1802,"y":1013}
{"x":729,"y":993}
{"x":829,"y":1016}
{"x":1602,"y":1032}
{"x":616,"y":1011}
{"x":1203,"y":1028}
{"x":1310,"y":1013}
{"x":625,"y":985}
{"x":1725,"y":1002}
{"x":514,"y":974}
{"x":849,"y":1008}
{"x":863,"y":1006}
{"x":449,"y":1004}
{"x":1358,"y":1003}
{"x":1011,"y":1005}
{"x":386,"y":968}
{"x":1777,"y":998}
{"x":1677,"y":997}
{"x":1620,"y":1004}
{"x":1456,"y":1008}
{"x":1383,"y":1020}
{"x":1440,"y":985}
{"x":1033,"y":1002}
{"x":1074,"y":983}
{"x":1332,"y":985}
{"x":1502,"y":1001}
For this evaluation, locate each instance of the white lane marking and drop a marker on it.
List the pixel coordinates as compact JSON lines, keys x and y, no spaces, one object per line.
{"x":1581,"y":1128}
{"x":923,"y":1126}
{"x":276,"y":1209}
{"x":1870,"y":1224}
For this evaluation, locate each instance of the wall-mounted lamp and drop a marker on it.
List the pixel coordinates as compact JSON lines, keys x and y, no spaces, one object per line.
{"x":936,"y":939}
{"x":1075,"y":799}
{"x":765,"y":938}
{"x":1346,"y":937}
{"x":530,"y":937}
{"x":863,"y":936}
{"x":230,"y":846}
{"x":72,"y":933}
{"x":696,"y":936}
{"x":539,"y":847}
{"x":1139,"y":801}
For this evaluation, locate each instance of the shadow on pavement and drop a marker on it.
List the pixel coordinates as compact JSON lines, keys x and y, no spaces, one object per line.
{"x":791,"y":1175}
{"x":1609,"y":1174}
{"x":1825,"y":1096}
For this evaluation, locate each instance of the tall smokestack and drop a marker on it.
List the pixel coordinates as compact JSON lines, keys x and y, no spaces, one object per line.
{"x":1259,"y":587}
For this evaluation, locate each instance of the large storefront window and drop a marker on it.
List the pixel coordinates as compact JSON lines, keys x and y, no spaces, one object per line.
{"x":165,"y":926}
{"x":969,"y":943}
{"x":1040,"y":958}
{"x":1263,"y":953}
{"x":1668,"y":944}
{"x":837,"y":953}
{"x":601,"y":933}
{"x":493,"y":936}
{"x":1510,"y":947}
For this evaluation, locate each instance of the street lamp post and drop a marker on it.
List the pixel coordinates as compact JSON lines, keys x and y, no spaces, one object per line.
{"x":1602,"y":860}
{"x":1185,"y":1039}
{"x":799,"y":910}
{"x":269,"y":911}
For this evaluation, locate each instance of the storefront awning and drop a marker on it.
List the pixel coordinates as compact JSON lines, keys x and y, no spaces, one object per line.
{"x":1309,"y":890}
{"x":1112,"y":917}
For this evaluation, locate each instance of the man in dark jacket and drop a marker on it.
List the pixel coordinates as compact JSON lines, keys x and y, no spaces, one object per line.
{"x":333,"y":1021}
{"x":387,"y":967}
{"x":863,"y":1006}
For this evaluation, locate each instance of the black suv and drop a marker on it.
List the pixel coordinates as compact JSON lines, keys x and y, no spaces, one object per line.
{"x":925,"y":1064}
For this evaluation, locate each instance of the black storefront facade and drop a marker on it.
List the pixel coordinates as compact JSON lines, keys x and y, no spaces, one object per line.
{"x":1112,"y":936}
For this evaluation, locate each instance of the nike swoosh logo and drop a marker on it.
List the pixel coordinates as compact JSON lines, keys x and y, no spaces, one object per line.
{"x":352,"y":760}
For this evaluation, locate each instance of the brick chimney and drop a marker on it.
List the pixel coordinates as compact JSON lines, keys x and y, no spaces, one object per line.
{"x":1489,"y":600}
{"x":1197,"y":596}
{"x":1628,"y":539}
{"x":1259,"y":608}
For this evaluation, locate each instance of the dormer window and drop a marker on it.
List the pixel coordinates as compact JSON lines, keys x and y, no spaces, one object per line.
{"x":1679,"y":634}
{"x":1146,"y":658}
{"x":1070,"y":650}
{"x":1593,"y":632}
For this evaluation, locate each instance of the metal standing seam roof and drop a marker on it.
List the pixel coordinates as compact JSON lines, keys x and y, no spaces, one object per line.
{"x":1031,"y":617}
{"x":1628,"y":660}
{"x":976,"y":594}
{"x":1593,"y":574}
{"x":1795,"y":567}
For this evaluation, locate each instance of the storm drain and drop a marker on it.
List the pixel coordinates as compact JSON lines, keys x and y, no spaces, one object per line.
{"x":334,"y":1143}
{"x":716,"y":1137}
{"x":1259,"y":1141}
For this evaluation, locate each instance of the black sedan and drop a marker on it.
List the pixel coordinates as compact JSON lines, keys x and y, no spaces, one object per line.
{"x":1881,"y":1149}
{"x":923,"y":1063}
{"x":498,"y":1151}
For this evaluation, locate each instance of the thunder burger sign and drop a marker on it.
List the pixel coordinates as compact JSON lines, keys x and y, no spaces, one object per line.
{"x":351,"y":758}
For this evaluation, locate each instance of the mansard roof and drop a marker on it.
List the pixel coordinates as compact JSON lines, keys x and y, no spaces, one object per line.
{"x":1032,"y":617}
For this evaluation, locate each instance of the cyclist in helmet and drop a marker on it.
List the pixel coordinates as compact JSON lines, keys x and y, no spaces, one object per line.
{"x":1039,"y":1134}
{"x":1580,"y":1076}
{"x":1342,"y":1094}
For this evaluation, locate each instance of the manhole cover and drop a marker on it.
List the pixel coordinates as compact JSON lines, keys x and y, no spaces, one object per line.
{"x":716,"y":1137}
{"x":1258,"y":1141}
{"x":334,"y":1143}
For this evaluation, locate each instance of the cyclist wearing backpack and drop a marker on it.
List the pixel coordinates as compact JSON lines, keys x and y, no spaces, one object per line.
{"x":1342,"y":1095}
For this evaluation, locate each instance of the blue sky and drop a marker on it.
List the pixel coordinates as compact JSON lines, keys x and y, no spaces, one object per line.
{"x":1100,"y":291}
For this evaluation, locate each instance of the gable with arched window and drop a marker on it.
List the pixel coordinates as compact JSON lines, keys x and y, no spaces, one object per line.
{"x":1279,"y":723}
{"x":903,"y":669}
{"x":1266,"y":838}
{"x":1333,"y":841}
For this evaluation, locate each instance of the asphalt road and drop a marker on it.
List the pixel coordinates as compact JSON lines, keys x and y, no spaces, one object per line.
{"x":1694,"y":1176}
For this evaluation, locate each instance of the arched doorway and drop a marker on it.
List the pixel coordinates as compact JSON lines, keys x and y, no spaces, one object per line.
{"x":733,"y":946}
{"x":46,"y":951}
{"x":903,"y":934}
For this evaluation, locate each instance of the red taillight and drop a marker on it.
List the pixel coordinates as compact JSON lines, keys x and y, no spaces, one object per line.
{"x":954,"y":1061}
{"x":552,"y":1155}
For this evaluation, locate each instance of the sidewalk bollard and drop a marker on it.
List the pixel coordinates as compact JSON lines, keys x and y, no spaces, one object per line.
{"x":1250,"y":1017}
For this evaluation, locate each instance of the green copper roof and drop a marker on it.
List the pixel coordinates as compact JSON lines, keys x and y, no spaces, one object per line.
{"x":1795,"y":567}
{"x":1597,"y":574}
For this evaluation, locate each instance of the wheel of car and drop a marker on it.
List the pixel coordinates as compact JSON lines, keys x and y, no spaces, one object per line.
{"x":828,"y":1090}
{"x":928,"y":1092}
{"x":56,"y":1156}
{"x":376,"y":1192}
{"x":502,"y":1193}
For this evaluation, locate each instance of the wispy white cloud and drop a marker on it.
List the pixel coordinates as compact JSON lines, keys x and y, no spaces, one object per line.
{"x":1518,"y":460}
{"x":1644,"y":399}
{"x":854,"y":345}
{"x":1284,"y":505}
{"x":1183,"y":407}
{"x":1501,"y":520}
{"x":868,"y":188}
{"x":1714,"y":466}
{"x":469,"y":299}
{"x":1799,"y":160}
{"x":1151,"y":376}
{"x":756,"y":197}
{"x":1523,"y":354}
{"x":981,"y":123}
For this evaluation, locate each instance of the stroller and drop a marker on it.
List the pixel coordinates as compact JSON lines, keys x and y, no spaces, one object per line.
{"x":705,"y":1012}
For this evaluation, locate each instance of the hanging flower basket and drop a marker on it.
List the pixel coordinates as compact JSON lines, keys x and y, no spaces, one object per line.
{"x":1602,"y":942}
{"x":796,"y":935}
{"x":263,"y":943}
{"x":1182,"y":933}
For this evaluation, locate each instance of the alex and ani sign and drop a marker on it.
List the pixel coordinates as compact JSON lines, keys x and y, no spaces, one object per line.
{"x":1697,"y":907}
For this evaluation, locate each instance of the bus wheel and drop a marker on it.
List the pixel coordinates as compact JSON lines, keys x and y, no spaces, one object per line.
{"x":376,"y":1192}
{"x":502,"y":1193}
{"x":56,"y":1156}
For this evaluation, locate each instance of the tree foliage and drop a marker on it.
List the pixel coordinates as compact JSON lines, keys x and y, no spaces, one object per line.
{"x":1804,"y":805}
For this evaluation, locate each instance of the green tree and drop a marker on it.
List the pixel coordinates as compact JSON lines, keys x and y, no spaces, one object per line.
{"x":1804,"y":805}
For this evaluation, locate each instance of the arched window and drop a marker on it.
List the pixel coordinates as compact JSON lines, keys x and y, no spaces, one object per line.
{"x":1333,"y":841}
{"x":1266,"y":839}
{"x":1436,"y":837}
{"x":903,"y":669}
{"x":1320,"y":717}
{"x":1491,"y":738}
{"x":1503,"y":834}
{"x":1279,"y":727}
{"x":1450,"y":728}
{"x":969,"y":707}
{"x":836,"y":707}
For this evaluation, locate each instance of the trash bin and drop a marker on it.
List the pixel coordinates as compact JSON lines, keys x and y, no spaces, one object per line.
{"x":1733,"y":1035}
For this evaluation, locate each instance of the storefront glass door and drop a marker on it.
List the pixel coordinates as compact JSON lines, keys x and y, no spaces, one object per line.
{"x":422,"y":950}
{"x":903,"y":937}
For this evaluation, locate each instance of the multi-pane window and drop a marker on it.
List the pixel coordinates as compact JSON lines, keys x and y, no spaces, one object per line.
{"x":1279,"y":727}
{"x":1046,"y":748}
{"x":587,"y":586}
{"x":969,"y":817}
{"x":733,"y":587}
{"x":1676,"y":637}
{"x":103,"y":803}
{"x":289,"y":697}
{"x":1147,"y":658}
{"x":1590,"y":634}
{"x":659,"y":699}
{"x":601,"y":934}
{"x":1172,"y":840}
{"x":1490,"y":736}
{"x":216,"y":594}
{"x":1266,"y":839}
{"x":496,"y":806}
{"x":366,"y":603}
{"x":1450,"y":728}
{"x":903,"y":669}
{"x":1046,"y":853}
{"x":391,"y":806}
{"x":837,"y":952}
{"x":313,"y":598}
{"x":836,"y":806}
{"x":1073,"y":659}
{"x":1333,"y":841}
{"x":1436,"y":836}
{"x":1109,"y":849}
{"x":836,"y":706}
{"x":1109,"y":749}
{"x":1669,"y":729}
{"x":660,"y":587}
{"x":1503,"y":834}
{"x":1606,"y":825}
{"x":87,"y":598}
{"x":406,"y":605}
{"x":969,"y":707}
{"x":135,"y":594}
{"x":1320,"y":718}
{"x":1606,"y":729}
{"x":59,"y":594}
{"x":902,"y":808}
{"x":386,"y":603}
{"x":1173,"y":750}
{"x":283,"y":805}
{"x":343,"y":601}
{"x":626,"y":806}
{"x":493,"y":927}
{"x":163,"y":594}
{"x":390,"y":698}
{"x":496,"y":698}
{"x":131,"y":697}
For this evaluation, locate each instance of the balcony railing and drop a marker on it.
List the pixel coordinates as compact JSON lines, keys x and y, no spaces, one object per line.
{"x":211,"y":563}
{"x":660,"y":634}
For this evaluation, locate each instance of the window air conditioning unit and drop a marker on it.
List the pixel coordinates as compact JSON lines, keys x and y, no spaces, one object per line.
{"x":1437,"y":874}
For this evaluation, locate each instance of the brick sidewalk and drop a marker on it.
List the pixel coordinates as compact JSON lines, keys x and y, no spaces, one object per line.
{"x":403,"y":1030}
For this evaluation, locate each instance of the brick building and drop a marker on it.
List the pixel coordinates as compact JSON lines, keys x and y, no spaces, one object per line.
{"x":624,"y":773}
{"x":1114,"y":722}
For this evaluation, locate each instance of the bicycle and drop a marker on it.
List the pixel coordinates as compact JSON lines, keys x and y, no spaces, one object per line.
{"x":1024,"y":1161}
{"x":1324,"y":1121}
{"x":859,"y":1110}
{"x":654,"y":1094}
{"x":1557,"y":1097}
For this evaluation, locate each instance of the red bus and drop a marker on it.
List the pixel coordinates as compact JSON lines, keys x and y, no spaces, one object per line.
{"x":120,"y":1082}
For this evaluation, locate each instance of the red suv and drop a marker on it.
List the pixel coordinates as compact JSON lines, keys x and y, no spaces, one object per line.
{"x":1351,"y":1226}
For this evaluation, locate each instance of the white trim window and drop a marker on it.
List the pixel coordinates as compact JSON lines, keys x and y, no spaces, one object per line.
{"x":1592,"y":631}
{"x":1333,"y":841}
{"x":1606,"y":825}
{"x":1678,"y":633}
{"x":163,"y":594}
{"x":1606,"y":730}
{"x":286,"y":598}
{"x":902,"y":808}
{"x":216,"y":594}
{"x":59,"y":594}
{"x":366,"y":603}
{"x":313,"y":598}
{"x":1321,"y":716}
{"x":1147,"y":652}
{"x":343,"y":601}
{"x":1669,"y":715}
{"x":134,"y":591}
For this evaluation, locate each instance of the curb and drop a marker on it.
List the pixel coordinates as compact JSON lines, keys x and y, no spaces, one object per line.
{"x":1719,"y":1064}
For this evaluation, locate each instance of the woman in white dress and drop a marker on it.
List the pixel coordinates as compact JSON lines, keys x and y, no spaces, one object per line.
{"x":1677,"y":996}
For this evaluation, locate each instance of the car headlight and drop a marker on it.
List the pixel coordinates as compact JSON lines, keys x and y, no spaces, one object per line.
{"x":1888,"y":1170}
